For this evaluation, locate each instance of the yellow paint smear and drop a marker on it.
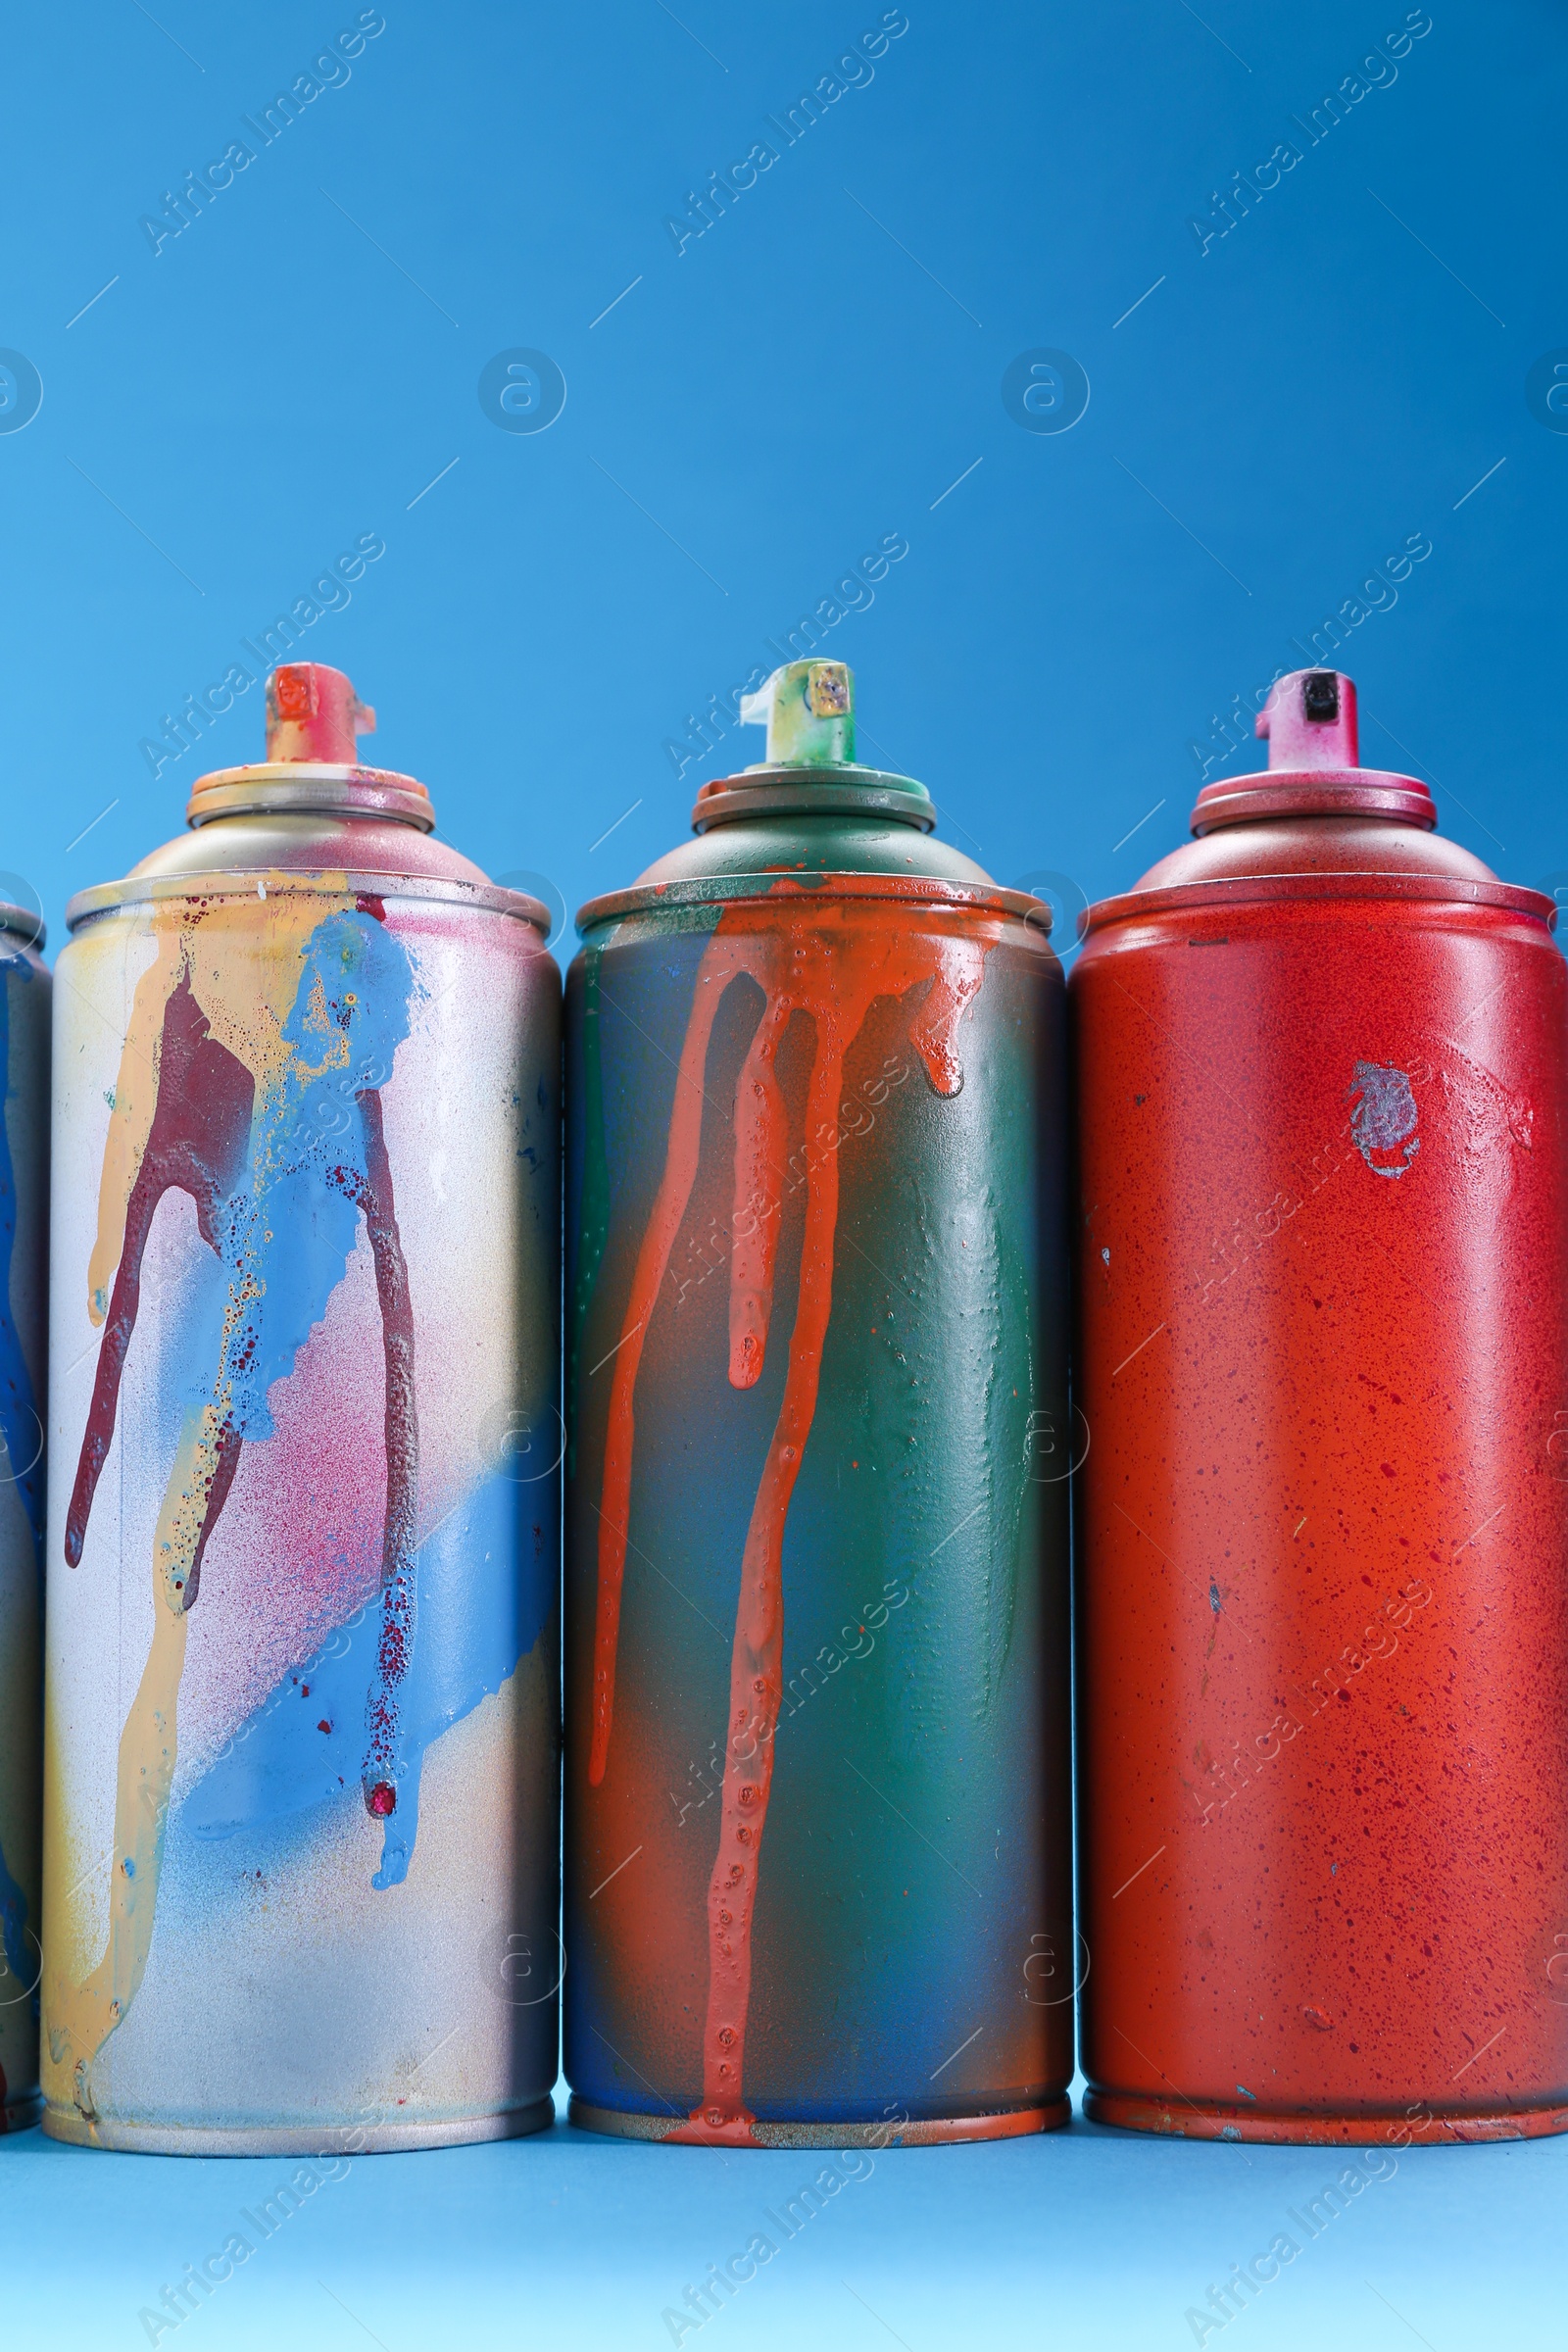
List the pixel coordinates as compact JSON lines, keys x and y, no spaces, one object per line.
{"x":79,"y":2019}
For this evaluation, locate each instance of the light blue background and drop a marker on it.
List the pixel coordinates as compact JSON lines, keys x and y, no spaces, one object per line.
{"x":815,"y":372}
{"x":777,"y":398}
{"x":1084,"y":2240}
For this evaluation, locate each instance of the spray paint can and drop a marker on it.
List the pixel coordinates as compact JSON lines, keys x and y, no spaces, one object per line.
{"x":23,"y":1325}
{"x":817,"y":1840}
{"x":299,"y":1758}
{"x":1323,"y":1275}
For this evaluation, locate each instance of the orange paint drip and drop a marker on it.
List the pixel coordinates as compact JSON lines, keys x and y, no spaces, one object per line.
{"x":760,"y":1137}
{"x":831,"y":961}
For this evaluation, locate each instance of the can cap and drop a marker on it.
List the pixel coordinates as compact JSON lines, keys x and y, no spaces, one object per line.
{"x":311,"y":766}
{"x":312,"y":712}
{"x":808,"y":711}
{"x":1309,"y":723}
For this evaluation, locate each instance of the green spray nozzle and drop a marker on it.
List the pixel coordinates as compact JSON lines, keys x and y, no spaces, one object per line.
{"x":808,"y":711}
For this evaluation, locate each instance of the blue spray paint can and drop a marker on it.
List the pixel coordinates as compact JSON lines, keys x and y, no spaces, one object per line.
{"x":24,"y":1277}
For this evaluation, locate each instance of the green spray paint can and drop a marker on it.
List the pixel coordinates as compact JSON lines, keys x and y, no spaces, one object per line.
{"x":818,"y":1845}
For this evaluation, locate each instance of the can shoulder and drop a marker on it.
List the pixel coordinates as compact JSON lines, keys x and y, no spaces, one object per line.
{"x":1309,"y":845}
{"x":1203,"y":895}
{"x":804,"y":844}
{"x":306,"y":843}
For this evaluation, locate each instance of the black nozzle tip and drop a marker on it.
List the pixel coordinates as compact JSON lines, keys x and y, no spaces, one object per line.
{"x":1320,"y":696}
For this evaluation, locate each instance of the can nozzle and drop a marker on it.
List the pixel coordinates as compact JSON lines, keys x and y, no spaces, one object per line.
{"x":1309,"y":720}
{"x":312,"y":712}
{"x":808,"y":711}
{"x":1314,"y":765}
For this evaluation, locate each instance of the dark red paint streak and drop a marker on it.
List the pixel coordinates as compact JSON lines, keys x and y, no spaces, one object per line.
{"x":376,"y":1197}
{"x":196,"y":1144}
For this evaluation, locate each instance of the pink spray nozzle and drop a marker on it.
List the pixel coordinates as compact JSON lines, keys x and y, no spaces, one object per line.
{"x":1314,"y":765}
{"x":312,"y":712}
{"x":1309,"y":721}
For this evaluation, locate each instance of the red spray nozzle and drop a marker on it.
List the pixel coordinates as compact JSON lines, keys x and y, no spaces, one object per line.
{"x":1309,"y":720}
{"x":312,"y":712}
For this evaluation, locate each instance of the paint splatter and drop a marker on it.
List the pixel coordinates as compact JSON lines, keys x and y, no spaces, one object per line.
{"x":275,"y":1186}
{"x":280,"y":1160}
{"x":1385,"y":1117}
{"x":830,"y":961}
{"x":479,"y":1615}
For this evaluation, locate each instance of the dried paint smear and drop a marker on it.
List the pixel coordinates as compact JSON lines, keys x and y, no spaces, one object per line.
{"x":1384,"y":1117}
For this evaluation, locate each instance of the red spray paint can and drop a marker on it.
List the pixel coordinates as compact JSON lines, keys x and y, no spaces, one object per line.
{"x":1323,"y":1264}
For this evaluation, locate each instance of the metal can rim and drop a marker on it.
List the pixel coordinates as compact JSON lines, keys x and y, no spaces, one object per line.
{"x":1312,"y":792}
{"x":921,"y":889}
{"x":309,"y":788}
{"x":1232,"y":890}
{"x":241,"y":882}
{"x":809,"y":792}
{"x":25,"y":923}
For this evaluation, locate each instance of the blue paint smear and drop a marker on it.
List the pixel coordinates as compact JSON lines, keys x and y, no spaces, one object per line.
{"x":19,"y":1425}
{"x":485,"y":1582}
{"x":13,"y":1929}
{"x":287,"y":1233}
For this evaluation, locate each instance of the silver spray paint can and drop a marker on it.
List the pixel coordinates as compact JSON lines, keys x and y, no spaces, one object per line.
{"x":301,"y":1740}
